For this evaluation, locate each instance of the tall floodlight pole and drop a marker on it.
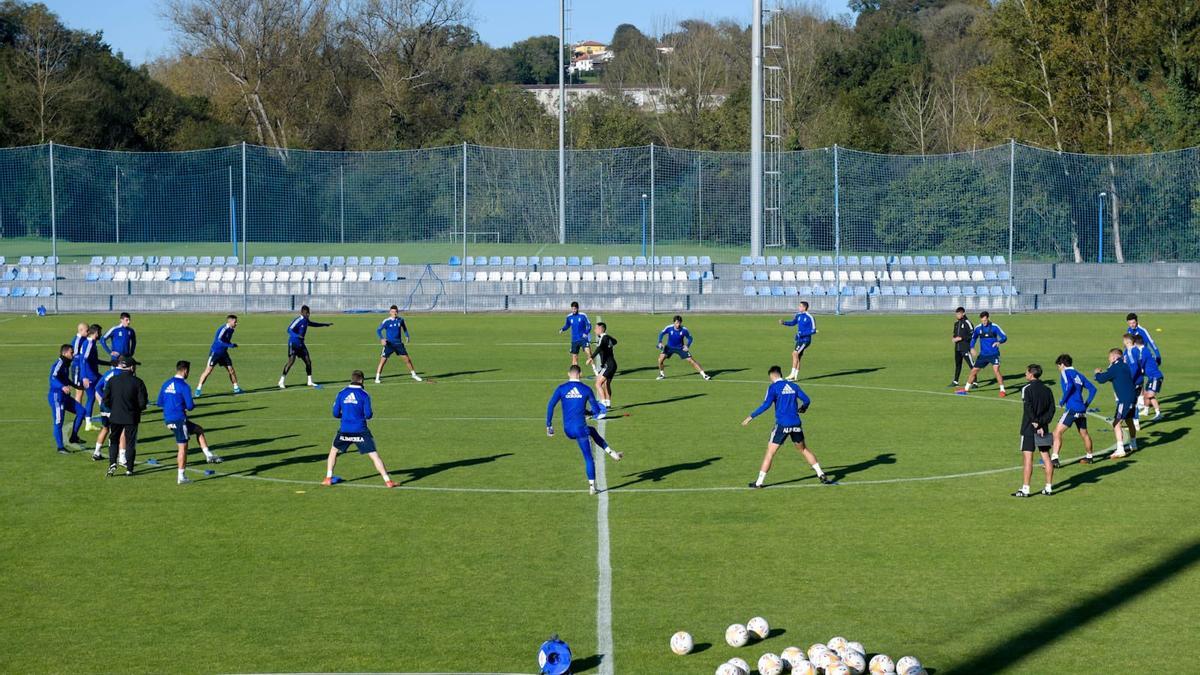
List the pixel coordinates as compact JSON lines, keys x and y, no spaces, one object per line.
{"x":562,"y":124}
{"x":756,"y":130}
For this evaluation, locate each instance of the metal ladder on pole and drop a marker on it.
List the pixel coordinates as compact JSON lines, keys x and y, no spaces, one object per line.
{"x":773,"y":19}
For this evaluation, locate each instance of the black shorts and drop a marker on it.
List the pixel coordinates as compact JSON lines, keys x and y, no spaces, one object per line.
{"x":802,"y":346}
{"x":363,"y":441}
{"x":184,"y":429}
{"x":986,"y":360}
{"x":1153,"y":385}
{"x":579,"y":344}
{"x":1030,"y":441}
{"x":1124,"y":412}
{"x":103,"y":418}
{"x":779,"y":435}
{"x":394,"y":348}
{"x":299,"y":351}
{"x":223,"y":359}
{"x":1078,"y":419}
{"x":608,"y":371}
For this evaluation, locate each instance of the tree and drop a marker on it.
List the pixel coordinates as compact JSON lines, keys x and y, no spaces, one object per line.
{"x":634,"y":58}
{"x":46,"y":57}
{"x":916,"y":108}
{"x":535,"y":60}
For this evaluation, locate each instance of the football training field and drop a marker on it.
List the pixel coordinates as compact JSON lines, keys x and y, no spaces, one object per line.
{"x":492,"y":542}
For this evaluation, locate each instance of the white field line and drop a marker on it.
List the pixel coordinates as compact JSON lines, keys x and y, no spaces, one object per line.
{"x":604,"y":634}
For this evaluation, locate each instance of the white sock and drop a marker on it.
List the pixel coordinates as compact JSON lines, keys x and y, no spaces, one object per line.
{"x":662,"y":373}
{"x":592,"y":484}
{"x":97,"y":447}
{"x":181,"y":474}
{"x":1001,"y":387}
{"x":121,"y":456}
{"x":610,"y":451}
{"x":329,"y":473}
{"x":1025,"y":488}
{"x":1048,"y":488}
{"x":206,"y":452}
{"x":1053,"y":457}
{"x":762,"y":475}
{"x":817,"y":467}
{"x":310,"y":382}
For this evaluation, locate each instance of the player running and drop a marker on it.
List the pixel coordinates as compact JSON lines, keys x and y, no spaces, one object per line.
{"x":961,"y":337}
{"x":393,"y":333}
{"x":98,"y":453}
{"x":59,"y":397}
{"x":218,"y":354}
{"x":297,"y":329}
{"x":576,"y":397}
{"x":581,"y":329}
{"x":120,"y":340}
{"x":1122,"y":384}
{"x":789,"y":401}
{"x":605,"y":362}
{"x":1035,"y":423}
{"x":353,"y":407}
{"x":806,"y":328}
{"x":1073,"y":384}
{"x":1154,"y":376}
{"x":175,"y":399}
{"x":989,"y":337}
{"x":675,"y":339}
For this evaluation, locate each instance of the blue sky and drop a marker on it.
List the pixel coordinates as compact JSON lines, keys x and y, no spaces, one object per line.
{"x":134,"y":28}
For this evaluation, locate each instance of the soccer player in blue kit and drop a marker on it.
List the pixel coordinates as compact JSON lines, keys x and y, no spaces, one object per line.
{"x":806,"y":328}
{"x":175,"y":399}
{"x":676,"y":340}
{"x":576,"y":397}
{"x":87,"y":372}
{"x":789,"y":401}
{"x":352,"y":407}
{"x":297,"y":329}
{"x":120,"y":340}
{"x":1073,"y":384}
{"x":1122,"y":383}
{"x":581,"y":331}
{"x":393,"y":333}
{"x":218,"y":354}
{"x":989,"y":337}
{"x":59,"y":397}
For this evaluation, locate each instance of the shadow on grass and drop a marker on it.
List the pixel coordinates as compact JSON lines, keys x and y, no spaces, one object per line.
{"x":250,"y":443}
{"x":314,"y":459}
{"x":661,"y":473}
{"x":1178,"y":406}
{"x":725,"y":371}
{"x":701,"y":647}
{"x":456,"y":373}
{"x":587,"y":663}
{"x":1009,"y":652}
{"x":1158,"y":438}
{"x":837,"y":473}
{"x":1094,"y":475}
{"x":418,"y":473}
{"x":631,"y":371}
{"x":841,"y":373}
{"x":662,"y":401}
{"x":207,"y":430}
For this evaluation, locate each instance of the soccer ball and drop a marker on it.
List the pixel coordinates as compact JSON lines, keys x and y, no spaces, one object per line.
{"x":882,"y":664}
{"x":730,"y":669}
{"x":758,"y":627}
{"x":839,"y":669}
{"x":740,"y":663}
{"x":831,"y":660}
{"x":858,"y":647}
{"x":769,"y":664}
{"x":837,"y":644}
{"x":907,"y":663}
{"x":816,"y":649}
{"x":791,"y":655}
{"x":857,"y":663}
{"x":681,"y":643}
{"x":804,"y":667}
{"x":736,"y":635}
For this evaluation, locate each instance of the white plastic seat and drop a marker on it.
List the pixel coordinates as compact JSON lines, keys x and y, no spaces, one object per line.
{"x":938,"y":275}
{"x":351,"y":275}
{"x":602,"y":275}
{"x":323,"y":276}
{"x":202,"y":274}
{"x":923,"y":275}
{"x":856,"y":275}
{"x":640,"y":275}
{"x":121,"y":275}
{"x":508,"y":276}
{"x":897,"y":275}
{"x":336,"y":275}
{"x":789,"y":275}
{"x":494,"y":275}
{"x":589,"y":275}
{"x":977,"y":275}
{"x":869,"y":276}
{"x":951,"y":275}
{"x":573,"y":275}
{"x":628,"y":275}
{"x":535,"y":277}
{"x":560,"y":275}
{"x":910,"y":275}
{"x":827,"y":275}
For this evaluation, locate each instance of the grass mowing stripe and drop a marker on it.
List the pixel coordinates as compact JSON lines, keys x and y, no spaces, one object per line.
{"x":604,"y":636}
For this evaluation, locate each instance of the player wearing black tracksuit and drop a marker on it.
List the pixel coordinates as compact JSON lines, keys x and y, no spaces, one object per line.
{"x":962,"y":343}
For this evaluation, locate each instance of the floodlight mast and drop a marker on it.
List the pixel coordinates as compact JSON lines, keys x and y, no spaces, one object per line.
{"x":756,"y":130}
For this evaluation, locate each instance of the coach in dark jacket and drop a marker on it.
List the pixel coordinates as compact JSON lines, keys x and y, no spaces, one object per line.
{"x":126,"y":399}
{"x":1035,"y":427}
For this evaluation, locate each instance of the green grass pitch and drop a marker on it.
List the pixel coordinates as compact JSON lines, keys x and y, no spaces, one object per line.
{"x":919,"y":550}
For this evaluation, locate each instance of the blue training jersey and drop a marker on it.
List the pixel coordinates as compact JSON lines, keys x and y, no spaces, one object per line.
{"x":353,"y":407}
{"x":1150,"y":344}
{"x":1073,"y":384}
{"x":88,"y":360}
{"x":806,"y":326}
{"x":175,"y":399}
{"x":676,"y":338}
{"x":578,"y":324}
{"x":60,"y":374}
{"x":989,"y":338}
{"x":1122,"y":384}
{"x":77,"y":349}
{"x":298,"y":328}
{"x":1132,"y":358}
{"x":787,"y":397}
{"x":102,"y":384}
{"x":119,"y":340}
{"x":575,"y":397}
{"x":223,"y":340}
{"x":1150,"y":367}
{"x":391,"y":329}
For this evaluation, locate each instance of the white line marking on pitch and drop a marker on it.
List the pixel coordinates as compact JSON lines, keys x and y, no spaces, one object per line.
{"x":604,"y":634}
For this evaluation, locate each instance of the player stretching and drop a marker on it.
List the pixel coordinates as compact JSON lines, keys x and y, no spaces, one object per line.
{"x":1154,"y":376}
{"x":218,"y":354}
{"x":789,"y":401}
{"x":1039,"y":411}
{"x":97,"y":454}
{"x":353,"y":407}
{"x":390,"y":334}
{"x":961,"y":337}
{"x":89,"y":375}
{"x":81,"y":333}
{"x":59,"y":397}
{"x":677,"y":341}
{"x":577,"y":322}
{"x":575,"y":397}
{"x":989,"y":337}
{"x":175,"y":399}
{"x":605,"y":362}
{"x":806,"y":328}
{"x":1122,"y":384}
{"x":1073,"y":385}
{"x":297,"y":329}
{"x":120,"y":340}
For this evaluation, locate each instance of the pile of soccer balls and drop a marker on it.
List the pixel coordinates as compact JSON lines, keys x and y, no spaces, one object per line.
{"x":839,"y":656}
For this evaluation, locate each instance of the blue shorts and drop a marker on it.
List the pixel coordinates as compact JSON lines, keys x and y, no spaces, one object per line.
{"x":299,"y":351}
{"x":1153,"y":385}
{"x":394,"y":348}
{"x":104,"y":417}
{"x":1124,"y":412}
{"x":780,"y":435}
{"x":223,"y":359}
{"x":184,"y":428}
{"x":74,"y":374}
{"x":577,"y":345}
{"x":342,"y":440}
{"x":987,"y":360}
{"x":681,"y":352}
{"x":1078,"y":419}
{"x":61,"y":404}
{"x":802,"y":345}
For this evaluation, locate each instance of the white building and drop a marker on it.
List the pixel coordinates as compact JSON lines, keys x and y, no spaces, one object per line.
{"x":646,"y":98}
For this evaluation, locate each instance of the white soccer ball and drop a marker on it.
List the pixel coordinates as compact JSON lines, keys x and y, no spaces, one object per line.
{"x":791,"y":655}
{"x":730,"y":669}
{"x":857,"y":646}
{"x":882,"y":664}
{"x":770,"y":664}
{"x":681,"y":643}
{"x":736,"y":635}
{"x":740,"y":663}
{"x":816,"y":649}
{"x":829,"y":660}
{"x":759,"y":627}
{"x":857,"y":663}
{"x":804,"y":667}
{"x":907,"y":663}
{"x":837,"y":644}
{"x":839,"y":669}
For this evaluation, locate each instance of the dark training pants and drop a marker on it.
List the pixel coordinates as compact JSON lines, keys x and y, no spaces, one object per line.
{"x":959,"y":359}
{"x":114,"y":443}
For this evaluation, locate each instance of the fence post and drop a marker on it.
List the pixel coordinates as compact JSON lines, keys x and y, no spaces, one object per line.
{"x":651,"y":199}
{"x":342,"y":201}
{"x":1012,"y":172}
{"x":117,"y":202}
{"x":837,"y":231}
{"x":53,"y":228}
{"x":233,"y":233}
{"x":245,"y":257}
{"x":464,"y":226}
{"x":700,"y":199}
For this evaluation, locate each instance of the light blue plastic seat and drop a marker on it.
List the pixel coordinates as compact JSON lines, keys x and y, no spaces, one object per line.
{"x":887,"y":290}
{"x":35,"y":275}
{"x":998,"y":260}
{"x":92,"y":276}
{"x":705,"y":260}
{"x":760,"y":275}
{"x":985,"y":260}
{"x":573,"y":261}
{"x":827,"y":260}
{"x":972,"y":260}
{"x":175,"y":275}
{"x":773,"y":261}
{"x":18,"y":292}
{"x":764,"y":290}
{"x":997,"y":290}
{"x":379,"y":260}
{"x":205,"y":260}
{"x":932,"y":261}
{"x":271,"y":261}
{"x":968,"y":290}
{"x":454,"y":261}
{"x":587,"y":261}
{"x":893,"y":260}
{"x":1003,"y":275}
{"x":982,"y":290}
{"x":707,"y":276}
{"x":947,"y":261}
{"x":906,"y":260}
{"x":692,"y":260}
{"x":521,"y":261}
{"x":990,"y":275}
{"x":392,"y":276}
{"x":108,"y":260}
{"x":860,"y":290}
{"x":747,"y":275}
{"x":941,"y":290}
{"x":377,"y":275}
{"x":747,"y":260}
{"x":956,"y":290}
{"x":560,"y":260}
{"x":39,"y":260}
{"x":534,"y":261}
{"x":614,"y":260}
{"x":814,"y":260}
{"x":777,"y":291}
{"x":960,"y":260}
{"x":919,"y":260}
{"x":218,"y":260}
{"x":106,"y":276}
{"x":5,"y":291}
{"x":257,"y":261}
{"x":901,"y":290}
{"x":927,"y":290}
{"x":760,"y":260}
{"x":231,"y":260}
{"x":22,"y":274}
{"x":285,"y":261}
{"x":188,"y":275}
{"x":456,"y":276}
{"x":749,"y":290}
{"x":640,"y":260}
{"x":787,"y":260}
{"x":494,"y":260}
{"x":45,"y":292}
{"x":353,"y":260}
{"x":179,"y":260}
{"x":818,"y":290}
{"x":694,"y":275}
{"x":878,"y":261}
{"x":791,"y":291}
{"x":841,"y":261}
{"x":325,"y":261}
{"x":852,"y":260}
{"x":97,"y":260}
{"x":627,"y":261}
